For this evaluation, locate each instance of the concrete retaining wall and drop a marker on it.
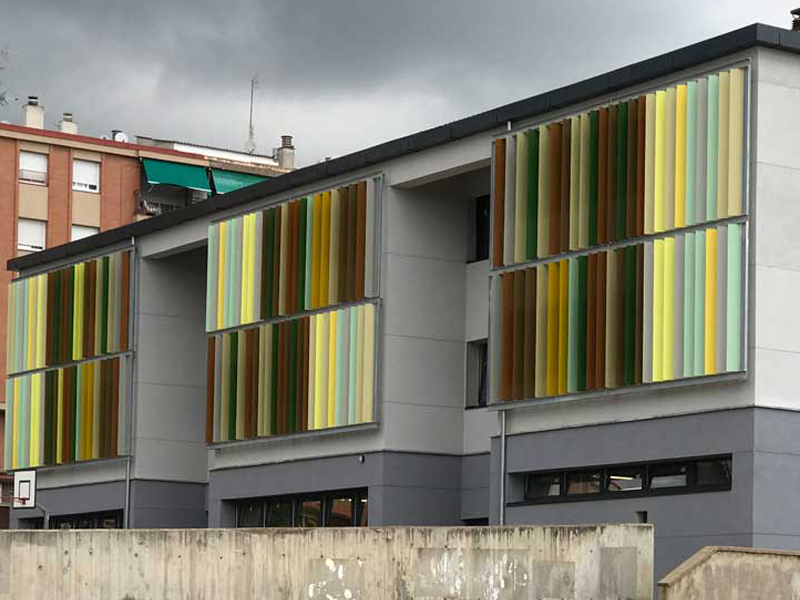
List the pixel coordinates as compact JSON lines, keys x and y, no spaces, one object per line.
{"x":727,"y":573}
{"x":612,"y":562}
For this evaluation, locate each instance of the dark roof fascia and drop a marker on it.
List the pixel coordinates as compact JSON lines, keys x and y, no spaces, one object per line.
{"x":757,"y":34}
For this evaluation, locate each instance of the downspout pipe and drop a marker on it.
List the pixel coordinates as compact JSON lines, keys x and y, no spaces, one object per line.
{"x":501,"y":517}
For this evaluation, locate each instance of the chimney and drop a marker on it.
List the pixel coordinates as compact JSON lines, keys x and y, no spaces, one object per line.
{"x":286,"y":153}
{"x":33,"y":113}
{"x":795,"y":19}
{"x":67,"y":125}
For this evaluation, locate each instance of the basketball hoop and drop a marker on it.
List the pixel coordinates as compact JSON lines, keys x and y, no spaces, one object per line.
{"x":15,"y":501}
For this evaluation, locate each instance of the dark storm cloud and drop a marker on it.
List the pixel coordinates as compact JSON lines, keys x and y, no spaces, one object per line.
{"x":338,"y":74}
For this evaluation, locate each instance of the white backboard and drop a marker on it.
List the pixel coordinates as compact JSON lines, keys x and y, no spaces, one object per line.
{"x":24,"y":489}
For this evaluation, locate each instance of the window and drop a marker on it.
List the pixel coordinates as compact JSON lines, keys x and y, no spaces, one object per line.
{"x":329,"y":509}
{"x":33,"y":167}
{"x":281,"y":513}
{"x":83,"y":231}
{"x":477,"y":361}
{"x":250,"y":514}
{"x":625,"y":479}
{"x":584,"y":482}
{"x":481,"y":228}
{"x":31,"y":235}
{"x":341,"y":512}
{"x":85,"y":176}
{"x":109,"y":520}
{"x":714,"y":472}
{"x":543,"y":486}
{"x":686,"y":476}
{"x":310,"y":514}
{"x":669,"y":476}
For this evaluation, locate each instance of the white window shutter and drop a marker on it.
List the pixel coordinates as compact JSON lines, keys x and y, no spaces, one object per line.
{"x":31,"y":234}
{"x":85,"y":175}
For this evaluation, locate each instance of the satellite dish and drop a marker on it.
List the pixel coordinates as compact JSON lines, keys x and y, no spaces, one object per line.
{"x":121,"y":136}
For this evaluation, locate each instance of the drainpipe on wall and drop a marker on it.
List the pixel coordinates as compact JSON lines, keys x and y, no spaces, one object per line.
{"x":131,"y":413}
{"x":501,"y":520}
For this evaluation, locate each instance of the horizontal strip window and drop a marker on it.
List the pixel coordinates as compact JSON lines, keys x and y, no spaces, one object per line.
{"x":347,"y":508}
{"x":689,"y":476}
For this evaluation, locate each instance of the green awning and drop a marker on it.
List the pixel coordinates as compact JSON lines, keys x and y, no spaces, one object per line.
{"x":170,"y":173}
{"x":227,"y":181}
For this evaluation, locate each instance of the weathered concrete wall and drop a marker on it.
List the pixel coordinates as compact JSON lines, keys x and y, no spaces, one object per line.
{"x":728,"y":573}
{"x":609,"y":562}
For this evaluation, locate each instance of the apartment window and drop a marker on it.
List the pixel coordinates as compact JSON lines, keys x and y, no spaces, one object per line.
{"x":479,"y":229}
{"x":82,"y":231}
{"x":329,"y":509}
{"x":33,"y":168}
{"x":689,"y":476}
{"x":31,"y":235}
{"x":85,"y":176}
{"x":477,"y":365}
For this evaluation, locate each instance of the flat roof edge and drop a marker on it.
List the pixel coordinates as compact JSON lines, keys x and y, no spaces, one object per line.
{"x":757,"y":34}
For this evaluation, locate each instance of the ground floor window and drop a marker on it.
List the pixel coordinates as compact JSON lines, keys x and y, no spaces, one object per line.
{"x":683,"y":476}
{"x":101,"y":520}
{"x":344,"y":508}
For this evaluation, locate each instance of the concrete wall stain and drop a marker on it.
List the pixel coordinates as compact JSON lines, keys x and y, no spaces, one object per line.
{"x":397,"y":563}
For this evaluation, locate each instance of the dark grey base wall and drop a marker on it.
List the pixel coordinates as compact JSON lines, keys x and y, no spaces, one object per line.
{"x":404,"y":488}
{"x":91,"y":498}
{"x":154,"y":504}
{"x":765,"y":445}
{"x":167,"y":504}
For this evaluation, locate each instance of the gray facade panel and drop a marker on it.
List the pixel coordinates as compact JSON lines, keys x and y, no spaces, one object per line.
{"x":690,"y":435}
{"x":167,"y":504}
{"x":475,"y":503}
{"x":683,"y":522}
{"x":404,"y":488}
{"x":78,"y":499}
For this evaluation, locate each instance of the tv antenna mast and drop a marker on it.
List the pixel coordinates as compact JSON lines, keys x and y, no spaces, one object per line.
{"x":250,"y":146}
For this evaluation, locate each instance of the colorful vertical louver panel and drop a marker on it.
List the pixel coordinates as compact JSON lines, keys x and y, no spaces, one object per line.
{"x":66,"y":415}
{"x":306,"y":254}
{"x":666,"y":160}
{"x":662,"y":310}
{"x":302,"y":374}
{"x":78,"y":312}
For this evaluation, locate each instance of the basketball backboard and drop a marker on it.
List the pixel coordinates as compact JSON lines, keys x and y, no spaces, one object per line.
{"x":24,"y":489}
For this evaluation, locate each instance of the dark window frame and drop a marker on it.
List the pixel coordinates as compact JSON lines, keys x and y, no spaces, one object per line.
{"x":296,"y":500}
{"x":56,"y":521}
{"x":692,"y":486}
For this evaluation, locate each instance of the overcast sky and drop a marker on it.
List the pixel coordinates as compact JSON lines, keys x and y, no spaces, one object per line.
{"x":339,"y":75}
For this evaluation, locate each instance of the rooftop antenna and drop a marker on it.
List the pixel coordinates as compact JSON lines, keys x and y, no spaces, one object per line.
{"x":250,"y":146}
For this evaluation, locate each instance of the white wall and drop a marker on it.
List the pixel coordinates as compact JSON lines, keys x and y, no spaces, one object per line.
{"x":777,"y":220}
